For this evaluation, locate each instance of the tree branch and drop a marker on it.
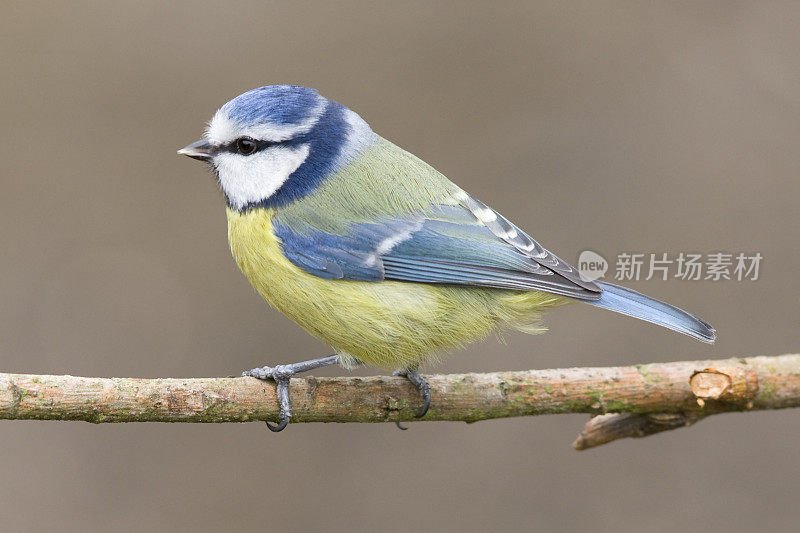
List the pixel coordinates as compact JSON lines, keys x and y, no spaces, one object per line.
{"x":650,"y":398}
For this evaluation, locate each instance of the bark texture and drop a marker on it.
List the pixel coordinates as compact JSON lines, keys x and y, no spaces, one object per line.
{"x":645,"y":399}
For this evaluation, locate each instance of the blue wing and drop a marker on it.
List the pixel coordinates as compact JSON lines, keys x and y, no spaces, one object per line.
{"x":459,"y":245}
{"x":467,"y":244}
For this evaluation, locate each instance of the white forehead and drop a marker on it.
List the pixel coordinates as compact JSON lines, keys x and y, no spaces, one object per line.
{"x":222,"y":129}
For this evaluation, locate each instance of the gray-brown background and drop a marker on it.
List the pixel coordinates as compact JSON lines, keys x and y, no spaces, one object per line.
{"x":614,"y":127}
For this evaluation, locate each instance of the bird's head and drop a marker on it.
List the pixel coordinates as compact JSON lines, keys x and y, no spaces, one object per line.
{"x":275,"y":144}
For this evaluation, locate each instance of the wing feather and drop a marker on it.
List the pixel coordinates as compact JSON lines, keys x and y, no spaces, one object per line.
{"x":505,"y":230}
{"x":449,"y":244}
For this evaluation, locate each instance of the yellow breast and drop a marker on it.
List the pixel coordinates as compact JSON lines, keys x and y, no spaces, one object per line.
{"x":369,"y":321}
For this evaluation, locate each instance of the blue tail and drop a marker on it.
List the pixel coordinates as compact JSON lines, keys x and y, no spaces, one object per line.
{"x":632,"y":303}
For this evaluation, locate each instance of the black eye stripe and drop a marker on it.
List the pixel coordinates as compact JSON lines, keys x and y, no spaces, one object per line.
{"x":233,"y":146}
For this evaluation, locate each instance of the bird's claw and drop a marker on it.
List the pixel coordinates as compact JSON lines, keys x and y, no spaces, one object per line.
{"x":422,"y":386}
{"x":281,"y":375}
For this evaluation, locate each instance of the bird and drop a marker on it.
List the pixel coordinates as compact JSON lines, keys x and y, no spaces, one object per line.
{"x":373,"y":251}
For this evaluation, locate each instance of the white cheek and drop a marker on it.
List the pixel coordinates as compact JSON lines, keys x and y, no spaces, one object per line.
{"x":251,"y":179}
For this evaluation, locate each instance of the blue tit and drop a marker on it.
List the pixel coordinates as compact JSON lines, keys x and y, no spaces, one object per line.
{"x":373,"y":251}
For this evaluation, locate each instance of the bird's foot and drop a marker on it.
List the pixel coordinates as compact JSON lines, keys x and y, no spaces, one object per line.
{"x":422,"y":386}
{"x":281,"y":375}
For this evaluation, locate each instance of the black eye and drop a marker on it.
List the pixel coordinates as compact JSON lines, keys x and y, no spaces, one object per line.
{"x":246,"y":145}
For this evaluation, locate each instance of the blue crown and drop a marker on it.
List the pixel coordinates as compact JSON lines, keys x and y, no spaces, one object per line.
{"x":276,"y":104}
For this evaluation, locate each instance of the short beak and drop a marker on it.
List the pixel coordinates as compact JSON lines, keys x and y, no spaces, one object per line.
{"x":201,"y":150}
